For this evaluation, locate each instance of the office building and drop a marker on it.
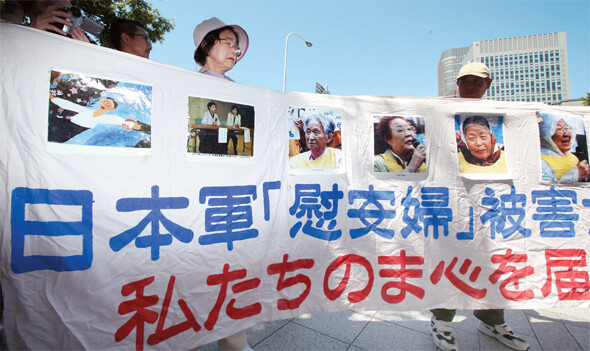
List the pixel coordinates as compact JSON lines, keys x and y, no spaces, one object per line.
{"x":529,"y":68}
{"x":449,"y":65}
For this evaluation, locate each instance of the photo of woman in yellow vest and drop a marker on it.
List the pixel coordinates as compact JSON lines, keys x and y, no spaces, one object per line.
{"x":564,"y":152}
{"x":404,"y":153}
{"x":319,"y":135}
{"x":480,"y":144}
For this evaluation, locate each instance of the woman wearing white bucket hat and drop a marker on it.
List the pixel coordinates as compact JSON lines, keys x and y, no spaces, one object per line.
{"x":219,"y":46}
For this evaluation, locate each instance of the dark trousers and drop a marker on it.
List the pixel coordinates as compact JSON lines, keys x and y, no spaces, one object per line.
{"x":233,"y":137}
{"x":492,"y":317}
{"x":208,"y":142}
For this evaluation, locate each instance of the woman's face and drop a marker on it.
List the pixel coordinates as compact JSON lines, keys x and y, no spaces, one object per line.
{"x":316,"y":138}
{"x":479,"y":141}
{"x":222,"y":56}
{"x":106,"y":105}
{"x":234,"y":111}
{"x":402,"y":136}
{"x":562,"y":136}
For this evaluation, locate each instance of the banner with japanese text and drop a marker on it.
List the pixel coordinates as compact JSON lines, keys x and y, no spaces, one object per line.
{"x":146,"y":206}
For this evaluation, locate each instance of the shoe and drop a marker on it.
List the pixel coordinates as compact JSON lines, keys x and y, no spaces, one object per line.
{"x":503,"y":334}
{"x":442,"y":334}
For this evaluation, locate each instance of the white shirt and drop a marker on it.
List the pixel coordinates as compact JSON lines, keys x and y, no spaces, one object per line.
{"x":85,"y":116}
{"x":234,"y":121}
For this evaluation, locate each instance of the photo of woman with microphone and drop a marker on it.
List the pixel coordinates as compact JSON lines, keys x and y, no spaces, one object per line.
{"x":399,"y":145}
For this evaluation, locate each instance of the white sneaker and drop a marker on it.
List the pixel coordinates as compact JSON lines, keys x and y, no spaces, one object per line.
{"x":503,"y":334}
{"x":442,"y":334}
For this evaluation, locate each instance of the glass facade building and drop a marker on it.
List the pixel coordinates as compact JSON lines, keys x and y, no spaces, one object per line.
{"x":529,"y":68}
{"x":449,"y":65}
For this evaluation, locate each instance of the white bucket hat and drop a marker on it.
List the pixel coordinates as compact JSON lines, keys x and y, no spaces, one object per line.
{"x":214,"y":23}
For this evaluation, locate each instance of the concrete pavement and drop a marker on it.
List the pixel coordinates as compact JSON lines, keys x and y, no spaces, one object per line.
{"x":555,"y":329}
{"x":547,"y":330}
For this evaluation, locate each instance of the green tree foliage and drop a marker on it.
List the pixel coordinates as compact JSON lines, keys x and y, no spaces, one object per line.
{"x":106,"y":11}
{"x":586,"y":99}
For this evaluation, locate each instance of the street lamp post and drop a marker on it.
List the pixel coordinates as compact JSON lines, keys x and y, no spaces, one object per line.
{"x":286,"y":47}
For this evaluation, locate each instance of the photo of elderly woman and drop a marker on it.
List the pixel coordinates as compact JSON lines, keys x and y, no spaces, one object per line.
{"x":319,"y":132}
{"x":315,"y":142}
{"x":564,"y":151}
{"x":399,"y":144}
{"x":480,"y":144}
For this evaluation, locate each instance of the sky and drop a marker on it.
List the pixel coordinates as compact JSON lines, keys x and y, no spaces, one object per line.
{"x":384,"y":48}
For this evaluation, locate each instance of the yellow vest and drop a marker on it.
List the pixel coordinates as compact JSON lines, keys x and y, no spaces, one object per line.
{"x":561,"y":164}
{"x":329,"y":160}
{"x":394,"y":166}
{"x":498,"y":167}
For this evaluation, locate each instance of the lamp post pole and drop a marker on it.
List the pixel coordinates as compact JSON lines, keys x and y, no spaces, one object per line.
{"x":286,"y":47}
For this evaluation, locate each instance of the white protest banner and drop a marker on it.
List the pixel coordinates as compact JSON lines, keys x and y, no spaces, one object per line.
{"x":128,"y":223}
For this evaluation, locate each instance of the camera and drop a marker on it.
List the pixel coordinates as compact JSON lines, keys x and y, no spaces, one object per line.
{"x":79,"y":21}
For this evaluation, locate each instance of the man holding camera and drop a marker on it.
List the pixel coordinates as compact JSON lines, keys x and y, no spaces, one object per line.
{"x":52,"y":16}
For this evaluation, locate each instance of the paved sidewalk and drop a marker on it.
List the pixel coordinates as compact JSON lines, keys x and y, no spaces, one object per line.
{"x":547,"y":330}
{"x":556,"y":329}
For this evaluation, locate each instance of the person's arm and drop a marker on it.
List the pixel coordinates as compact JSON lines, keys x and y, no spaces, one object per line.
{"x":48,"y":19}
{"x":109,"y":118}
{"x":54,"y":14}
{"x":417,"y":160}
{"x":302,"y":142}
{"x":583,"y":170}
{"x":78,"y":34}
{"x":238,"y":120}
{"x":68,"y":105}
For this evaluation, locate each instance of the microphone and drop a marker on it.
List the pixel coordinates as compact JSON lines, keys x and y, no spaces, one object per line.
{"x":415,"y":143}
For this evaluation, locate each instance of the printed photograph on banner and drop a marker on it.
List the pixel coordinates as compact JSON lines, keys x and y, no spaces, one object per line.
{"x":564,"y":148}
{"x":399,"y":146}
{"x":220,"y":128}
{"x":90,"y":112}
{"x":315,"y":140}
{"x":480,"y":146}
